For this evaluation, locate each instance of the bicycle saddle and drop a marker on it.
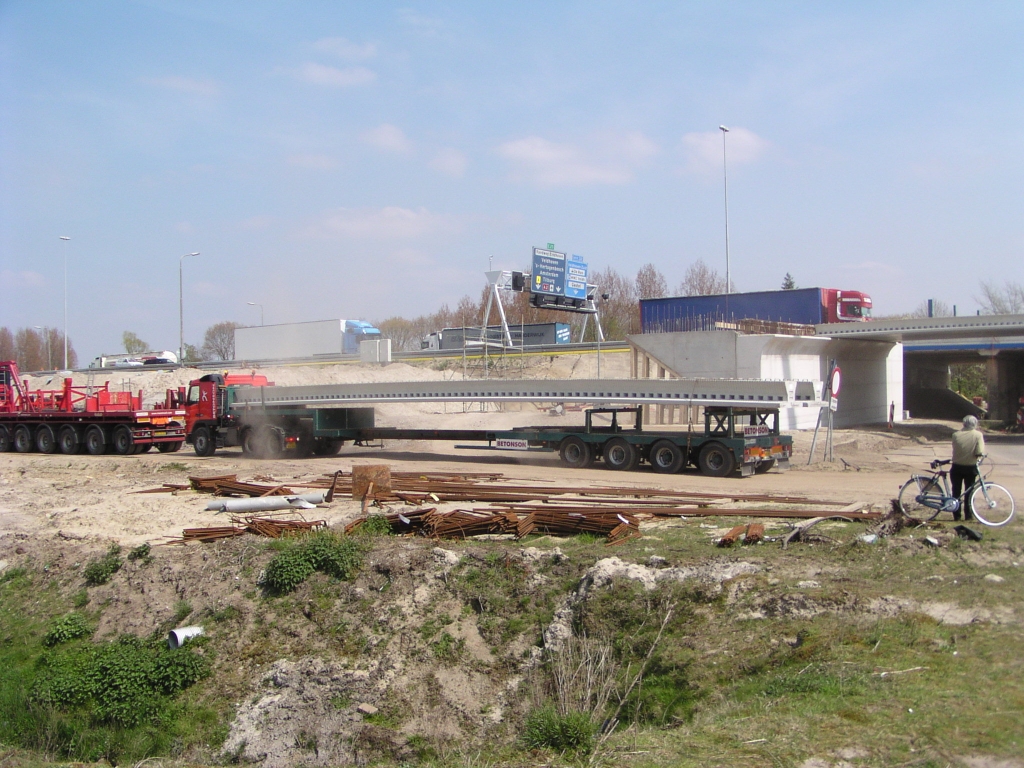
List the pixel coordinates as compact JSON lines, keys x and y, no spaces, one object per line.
{"x":939,"y":463}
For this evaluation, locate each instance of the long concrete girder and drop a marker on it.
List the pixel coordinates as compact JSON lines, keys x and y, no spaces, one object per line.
{"x":725,"y":392}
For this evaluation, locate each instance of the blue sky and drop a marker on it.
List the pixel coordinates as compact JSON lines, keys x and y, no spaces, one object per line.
{"x":365,"y":159}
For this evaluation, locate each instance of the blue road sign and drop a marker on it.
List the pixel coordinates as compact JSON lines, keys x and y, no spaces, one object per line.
{"x":575,"y":278}
{"x":548,"y":272}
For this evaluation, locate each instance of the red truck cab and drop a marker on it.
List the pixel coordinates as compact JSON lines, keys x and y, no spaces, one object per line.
{"x":847,"y":306}
{"x":205,"y":402}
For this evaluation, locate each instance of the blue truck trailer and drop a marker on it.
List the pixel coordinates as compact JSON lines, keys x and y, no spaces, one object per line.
{"x":805,"y":306}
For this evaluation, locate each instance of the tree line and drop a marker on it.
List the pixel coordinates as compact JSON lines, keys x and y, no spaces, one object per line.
{"x":36,"y":349}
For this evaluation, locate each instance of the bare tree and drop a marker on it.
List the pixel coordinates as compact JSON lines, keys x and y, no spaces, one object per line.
{"x":404,"y":334}
{"x":28,"y":348}
{"x":939,"y":309}
{"x":219,"y":341}
{"x":133,"y":345}
{"x":788,"y":283}
{"x":31,"y":350}
{"x":192,"y":354}
{"x":620,"y":312}
{"x":1006,"y":299}
{"x":701,"y":280}
{"x":8,"y":350}
{"x":650,"y":283}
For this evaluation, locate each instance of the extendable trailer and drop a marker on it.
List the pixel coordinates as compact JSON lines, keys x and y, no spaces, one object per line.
{"x":741,"y":419}
{"x":75,"y":418}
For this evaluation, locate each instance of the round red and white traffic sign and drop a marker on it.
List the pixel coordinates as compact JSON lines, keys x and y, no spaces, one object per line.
{"x":837,"y":376}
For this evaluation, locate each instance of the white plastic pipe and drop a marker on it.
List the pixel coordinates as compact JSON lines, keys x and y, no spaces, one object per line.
{"x":178,"y":637}
{"x":268,"y":503}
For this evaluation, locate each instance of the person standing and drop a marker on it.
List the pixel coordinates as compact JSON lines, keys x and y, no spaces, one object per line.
{"x":968,"y":448}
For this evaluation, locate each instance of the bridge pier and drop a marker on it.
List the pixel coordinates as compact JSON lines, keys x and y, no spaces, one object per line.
{"x":1005,"y":372}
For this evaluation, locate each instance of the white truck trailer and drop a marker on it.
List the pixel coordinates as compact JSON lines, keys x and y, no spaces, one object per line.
{"x":302,"y":340}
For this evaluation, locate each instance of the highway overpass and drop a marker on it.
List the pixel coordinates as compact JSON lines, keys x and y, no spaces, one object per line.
{"x":932,"y":344}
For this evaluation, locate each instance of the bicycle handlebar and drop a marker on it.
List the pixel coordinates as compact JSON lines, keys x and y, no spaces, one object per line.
{"x":936,"y":463}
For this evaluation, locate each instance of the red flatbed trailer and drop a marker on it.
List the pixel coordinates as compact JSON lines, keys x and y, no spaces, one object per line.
{"x":72,"y":418}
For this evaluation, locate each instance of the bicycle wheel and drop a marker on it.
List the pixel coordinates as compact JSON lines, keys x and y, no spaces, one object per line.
{"x":921,"y":498}
{"x":992,"y":504}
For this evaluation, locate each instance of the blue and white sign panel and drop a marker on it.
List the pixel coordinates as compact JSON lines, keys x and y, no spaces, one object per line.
{"x":575,"y":278}
{"x":548,"y":272}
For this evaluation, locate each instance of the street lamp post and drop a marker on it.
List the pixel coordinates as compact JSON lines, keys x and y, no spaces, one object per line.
{"x":725,"y":174}
{"x":65,"y":239}
{"x":254,"y":304}
{"x":181,"y":311}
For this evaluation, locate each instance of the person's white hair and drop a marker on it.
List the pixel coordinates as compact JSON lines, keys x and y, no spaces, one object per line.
{"x":970,"y":422}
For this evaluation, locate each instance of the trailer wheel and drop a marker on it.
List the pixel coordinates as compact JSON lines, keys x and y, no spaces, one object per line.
{"x":169,"y":447}
{"x":249,"y":443}
{"x":716,"y":460}
{"x":46,"y":441}
{"x":122,"y":440}
{"x":5,"y":439}
{"x":202,"y":442}
{"x":620,"y":454}
{"x":575,"y":453}
{"x":269,"y":444}
{"x":95,"y":443}
{"x":764,"y":466}
{"x":666,"y":457}
{"x":22,"y":439}
{"x":143,"y":448}
{"x":68,"y":439}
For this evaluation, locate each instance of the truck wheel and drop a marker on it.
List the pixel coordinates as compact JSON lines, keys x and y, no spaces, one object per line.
{"x":95,"y":444}
{"x":22,"y":439}
{"x":764,"y":466}
{"x":202,"y":442}
{"x":666,"y":457}
{"x":46,"y":441}
{"x":68,"y":440}
{"x":122,"y":440}
{"x":716,"y":460}
{"x":620,"y":454}
{"x":143,"y":448}
{"x":575,"y":453}
{"x":169,"y":447}
{"x":5,"y":439}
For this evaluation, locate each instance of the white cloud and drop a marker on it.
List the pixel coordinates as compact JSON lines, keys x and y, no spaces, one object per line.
{"x":319,"y":74}
{"x":428,"y":26}
{"x":388,"y":223}
{"x":388,"y":137}
{"x":313,"y":162}
{"x":704,"y":150}
{"x":608,"y":159}
{"x":24,"y":279}
{"x":345,"y":49}
{"x":184,"y":85}
{"x":450,"y":162}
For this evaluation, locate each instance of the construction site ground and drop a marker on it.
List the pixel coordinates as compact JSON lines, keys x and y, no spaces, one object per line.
{"x":832,"y":652}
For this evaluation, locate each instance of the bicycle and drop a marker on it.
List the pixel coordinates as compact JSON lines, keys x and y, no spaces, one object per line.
{"x":923,"y":497}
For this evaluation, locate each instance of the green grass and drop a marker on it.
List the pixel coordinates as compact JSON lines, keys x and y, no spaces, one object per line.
{"x":721,"y":688}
